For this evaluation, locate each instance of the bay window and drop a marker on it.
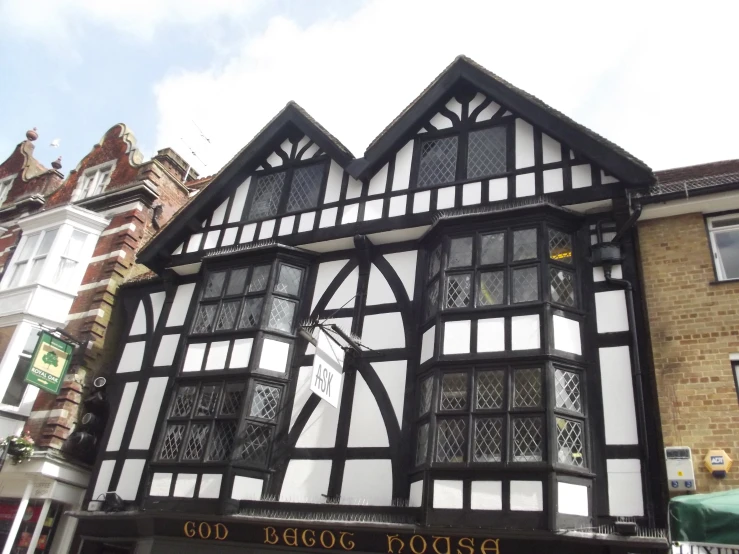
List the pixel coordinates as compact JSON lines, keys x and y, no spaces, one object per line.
{"x":32,"y":252}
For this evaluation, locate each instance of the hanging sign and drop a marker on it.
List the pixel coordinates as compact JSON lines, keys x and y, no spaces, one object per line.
{"x":49,"y":363}
{"x":328,"y":367}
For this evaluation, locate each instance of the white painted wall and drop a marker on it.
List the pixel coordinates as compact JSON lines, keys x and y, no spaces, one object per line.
{"x":180,"y":305}
{"x":366,"y":427}
{"x":128,"y":483}
{"x":404,"y":264}
{"x":572,"y":499}
{"x":619,"y":407}
{"x":524,"y":144}
{"x":486,"y":495}
{"x":527,"y":496}
{"x":306,"y":481}
{"x":625,"y":488}
{"x":121,"y":417}
{"x":378,"y":289}
{"x":367,"y":482}
{"x":383,"y":331}
{"x":147,"y":416}
{"x":610,"y":311}
{"x":132,"y":357}
{"x":448,"y":494}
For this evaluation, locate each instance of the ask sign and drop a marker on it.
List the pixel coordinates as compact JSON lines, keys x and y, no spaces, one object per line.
{"x":328,"y":367}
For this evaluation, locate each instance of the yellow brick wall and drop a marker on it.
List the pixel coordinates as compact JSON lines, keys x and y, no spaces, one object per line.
{"x":694,"y":327}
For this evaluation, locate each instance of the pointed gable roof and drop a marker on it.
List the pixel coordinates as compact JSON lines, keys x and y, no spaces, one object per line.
{"x":608,"y":155}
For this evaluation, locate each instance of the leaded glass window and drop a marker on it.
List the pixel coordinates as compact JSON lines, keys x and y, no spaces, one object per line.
{"x":266,"y":196}
{"x":438,"y":163}
{"x":305,"y":187}
{"x":486,"y":152}
{"x":570,"y":423}
{"x":290,"y":190}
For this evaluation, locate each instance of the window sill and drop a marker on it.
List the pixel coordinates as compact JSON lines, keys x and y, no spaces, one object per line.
{"x":724,"y":282}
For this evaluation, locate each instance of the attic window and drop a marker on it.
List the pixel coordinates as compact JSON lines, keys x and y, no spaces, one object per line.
{"x":93,"y":181}
{"x":5,"y":185}
{"x":286,"y":191}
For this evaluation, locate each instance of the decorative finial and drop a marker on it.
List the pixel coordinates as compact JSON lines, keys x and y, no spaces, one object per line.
{"x":57,"y":164}
{"x":32,"y":134}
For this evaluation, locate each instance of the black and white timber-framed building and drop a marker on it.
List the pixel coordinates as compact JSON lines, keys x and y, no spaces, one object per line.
{"x":502,"y":400}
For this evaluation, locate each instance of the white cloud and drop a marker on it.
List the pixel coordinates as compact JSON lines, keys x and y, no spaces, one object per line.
{"x":654,"y":78}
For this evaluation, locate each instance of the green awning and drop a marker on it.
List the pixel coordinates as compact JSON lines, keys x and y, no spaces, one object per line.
{"x":711,"y":518}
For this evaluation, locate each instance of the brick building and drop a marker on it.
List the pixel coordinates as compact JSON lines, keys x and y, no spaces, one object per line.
{"x":689,"y":246}
{"x":65,"y":246}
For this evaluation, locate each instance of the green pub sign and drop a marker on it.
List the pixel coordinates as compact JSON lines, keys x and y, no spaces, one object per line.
{"x":49,"y":363}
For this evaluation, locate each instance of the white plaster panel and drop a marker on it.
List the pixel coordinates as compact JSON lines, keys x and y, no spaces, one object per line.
{"x":448,"y":494}
{"x":274,"y":159}
{"x":309,"y":152}
{"x":498,"y":189}
{"x":383,"y":331}
{"x":607,"y":179}
{"x":551,"y":149}
{"x":572,"y":499}
{"x":373,"y":209}
{"x":241,"y":353}
{"x":553,"y":180}
{"x":454,"y":106}
{"x":440,"y":121}
{"x":445,"y":198}
{"x":487,"y":113}
{"x":378,"y":183}
{"x":302,"y":391}
{"x":194,"y":243}
{"x":581,"y":176}
{"x":133,"y":355}
{"x":178,"y":250}
{"x":567,"y":335}
{"x":415,"y":498}
{"x":525,"y":333}
{"x":625,"y":488}
{"x":524,"y":144}
{"x":229,"y":236}
{"x":128,"y":482}
{"x":457,"y":337}
{"x":103,"y":481}
{"x":397,"y":206}
{"x":274,"y":355}
{"x":148,"y":413}
{"x":476,"y":101}
{"x":180,"y":305}
{"x":286,"y":225}
{"x":161,"y":483}
{"x":219,"y":213}
{"x":210,"y":485}
{"x":422,"y":202}
{"x":194,"y":357}
{"x":353,"y":189}
{"x":402,"y":175}
{"x":404,"y":264}
{"x":247,"y":233}
{"x":486,"y":495}
{"x":619,"y":408}
{"x":367,"y":427}
{"x":378,"y":289}
{"x":471,"y":194}
{"x":344,"y":295}
{"x":267,"y":229}
{"x":306,"y":481}
{"x":610,"y":311}
{"x":491,"y":335}
{"x":184,"y":487}
{"x":246,"y":488}
{"x":121,"y":417}
{"x":350,"y":214}
{"x":167,"y":349}
{"x":599,"y":276}
{"x":320,"y":429}
{"x":527,"y":496}
{"x":307,"y":221}
{"x":138,"y":327}
{"x":428,"y":342}
{"x":392,"y":374}
{"x":327,"y":272}
{"x":367,"y":482}
{"x":217,"y":355}
{"x":237,"y":207}
{"x":157,"y":303}
{"x":328,"y":218}
{"x":333,"y":184}
{"x":525,"y":185}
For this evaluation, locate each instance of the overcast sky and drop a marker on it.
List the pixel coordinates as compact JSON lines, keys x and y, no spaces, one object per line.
{"x":657,"y":78}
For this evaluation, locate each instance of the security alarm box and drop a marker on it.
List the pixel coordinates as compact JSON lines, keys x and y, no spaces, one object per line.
{"x":679,"y":462}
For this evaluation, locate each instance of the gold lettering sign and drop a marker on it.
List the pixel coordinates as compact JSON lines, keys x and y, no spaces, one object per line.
{"x":205,"y":530}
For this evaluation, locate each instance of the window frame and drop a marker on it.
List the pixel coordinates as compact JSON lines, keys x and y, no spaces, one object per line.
{"x":718,"y":264}
{"x":289,"y":168}
{"x":462,"y":131}
{"x":89,"y":183}
{"x":32,"y":258}
{"x":6,"y":183}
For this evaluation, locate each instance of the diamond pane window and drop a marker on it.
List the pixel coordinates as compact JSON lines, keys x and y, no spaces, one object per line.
{"x":567,"y":390}
{"x":265,"y":402}
{"x":560,"y":246}
{"x":214,"y":285}
{"x":208,"y":401}
{"x":251,"y":312}
{"x":486,"y":152}
{"x":203,"y":322}
{"x":281,"y":315}
{"x":570,"y":447}
{"x":451,"y":440}
{"x":458,"y":291}
{"x":422,"y":444}
{"x":525,"y":284}
{"x":259,"y":278}
{"x":489,"y":389}
{"x":460,"y":252}
{"x":438,"y":161}
{"x":492,"y":249}
{"x":562,"y":286}
{"x":254,"y":447}
{"x":427,"y":388}
{"x":453,"y":391}
{"x":488,"y":440}
{"x":236,"y":282}
{"x":491,"y":290}
{"x":306,"y":185}
{"x":227,"y":315}
{"x":222,"y":443}
{"x":195,"y":444}
{"x":528,"y":439}
{"x":231,"y":400}
{"x":289,"y":280}
{"x":527,"y":388}
{"x":184,"y":401}
{"x":172,"y":441}
{"x":435,"y":262}
{"x":524,"y":244}
{"x":267,"y":192}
